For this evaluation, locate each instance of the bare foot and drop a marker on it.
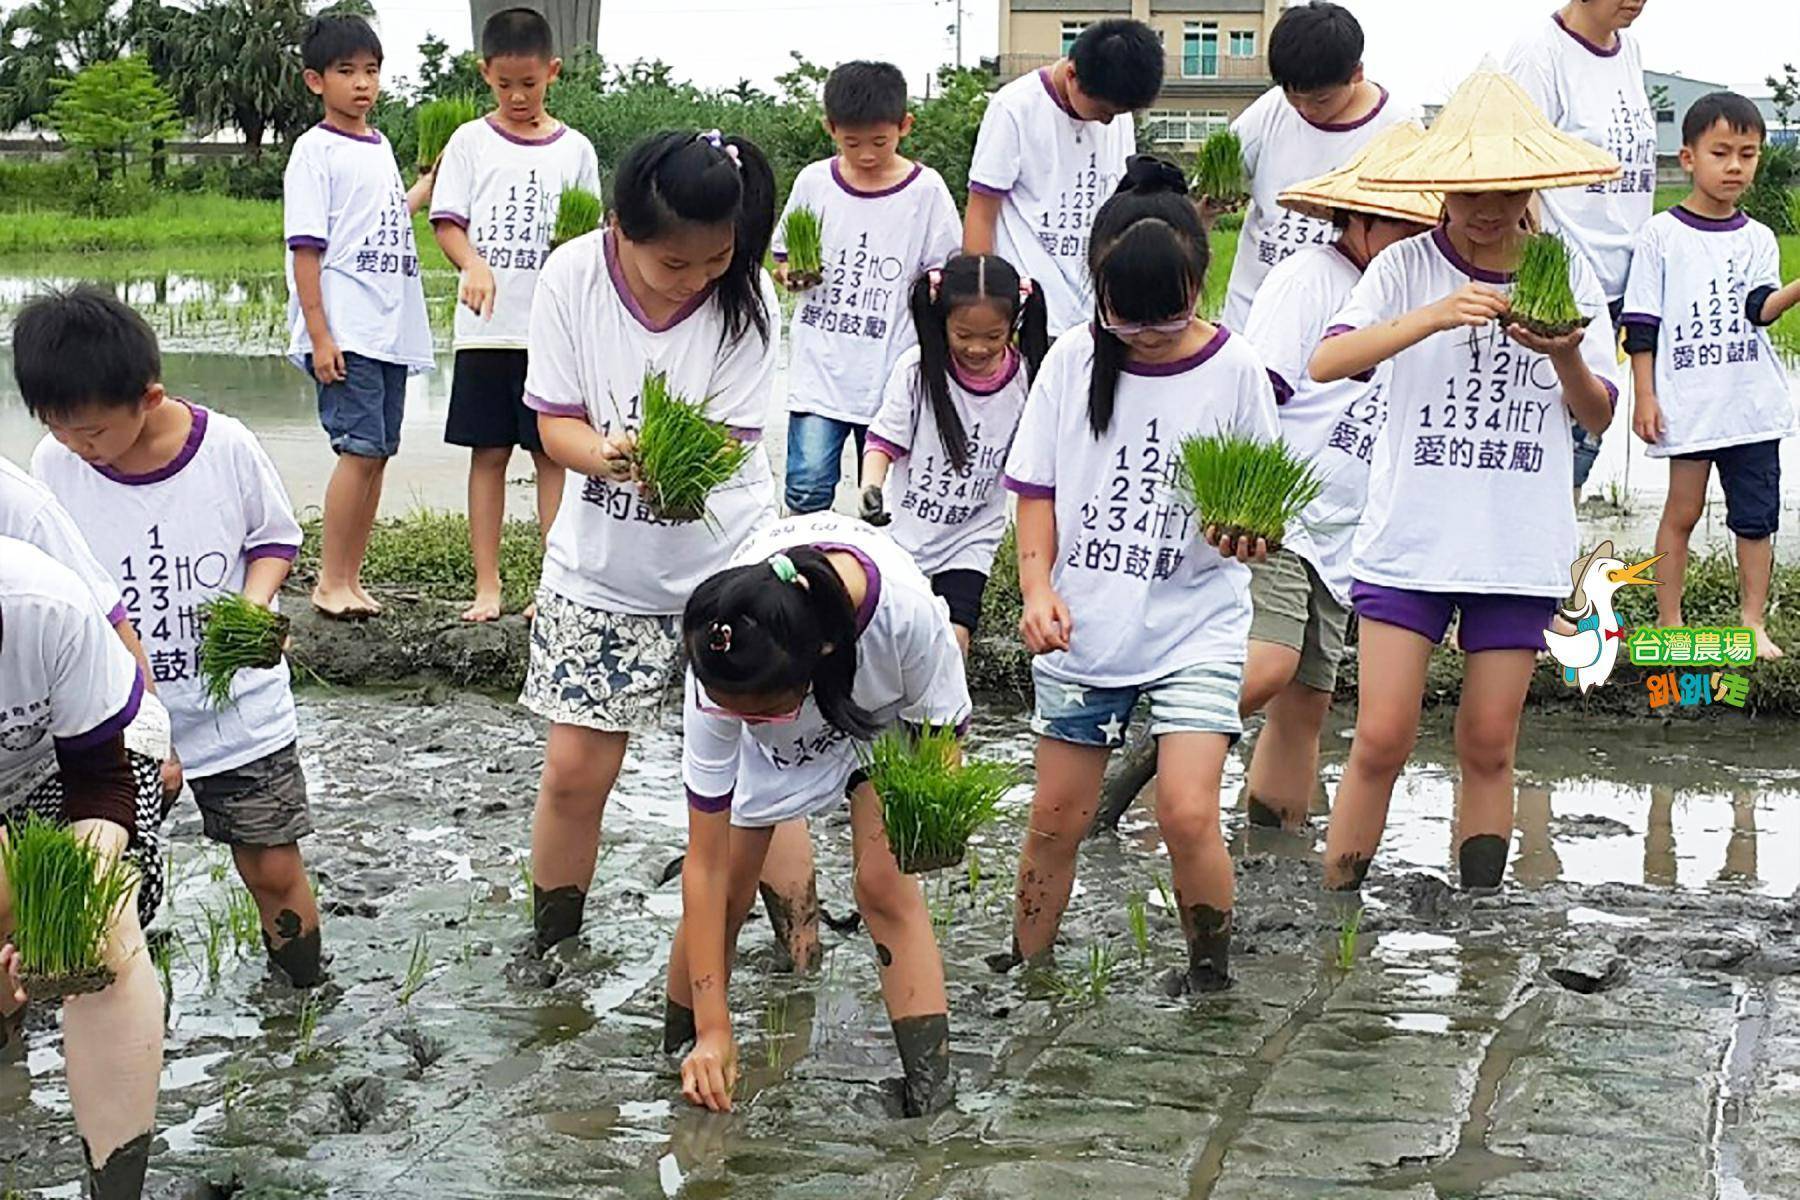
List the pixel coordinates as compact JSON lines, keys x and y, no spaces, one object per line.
{"x":531,"y":612}
{"x":1766,"y":648}
{"x":341,"y":605}
{"x":1561,"y":624}
{"x":365,"y":601}
{"x":485,"y":608}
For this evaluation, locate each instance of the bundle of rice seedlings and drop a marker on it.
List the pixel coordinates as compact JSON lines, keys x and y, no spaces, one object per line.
{"x":1543,"y":300}
{"x":930,"y":802}
{"x":437,"y":120}
{"x":1219,"y":170}
{"x":683,"y":455}
{"x":577,"y":212}
{"x":1245,"y":487}
{"x":236,"y":633}
{"x":805,"y":234}
{"x":65,"y":896}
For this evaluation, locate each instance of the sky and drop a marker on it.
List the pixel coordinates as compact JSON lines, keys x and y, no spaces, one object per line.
{"x":1419,"y":48}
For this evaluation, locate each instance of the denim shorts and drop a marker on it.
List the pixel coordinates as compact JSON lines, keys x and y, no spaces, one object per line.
{"x":1487,"y":622}
{"x":1199,"y":699}
{"x":1750,"y":475}
{"x":362,"y":411}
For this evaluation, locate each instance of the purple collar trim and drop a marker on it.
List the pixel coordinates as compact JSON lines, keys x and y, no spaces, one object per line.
{"x":1056,"y":96}
{"x":1694,"y":220}
{"x":1598,"y":52}
{"x":373,"y":137}
{"x":837,"y":176}
{"x":1181,"y":364}
{"x":865,"y":612}
{"x":1347,"y":126}
{"x":993,"y":383}
{"x":616,"y":272}
{"x":1440,"y":237}
{"x":189,"y":448}
{"x":516,"y":140}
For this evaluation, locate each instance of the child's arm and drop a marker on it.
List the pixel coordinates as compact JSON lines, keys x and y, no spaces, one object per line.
{"x":574,"y":445}
{"x":418,"y":196}
{"x":709,"y":1073}
{"x":1646,"y":414}
{"x":1588,"y":400}
{"x":477,"y":288}
{"x":1361,"y":350}
{"x":1047,"y":623}
{"x":327,"y":359}
{"x":263,"y":578}
{"x":873,"y":503}
{"x":979,"y":222}
{"x":1776,"y":304}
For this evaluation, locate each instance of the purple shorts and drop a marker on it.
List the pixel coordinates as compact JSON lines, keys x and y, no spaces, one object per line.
{"x":1488,"y":622}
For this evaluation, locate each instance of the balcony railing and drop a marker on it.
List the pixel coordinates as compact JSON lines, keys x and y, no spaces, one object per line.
{"x":1178,"y":68}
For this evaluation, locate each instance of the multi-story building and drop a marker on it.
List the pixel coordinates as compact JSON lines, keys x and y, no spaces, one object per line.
{"x":1216,"y":53}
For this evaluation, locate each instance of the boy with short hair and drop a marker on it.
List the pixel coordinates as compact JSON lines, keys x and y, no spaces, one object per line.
{"x":493,"y":209}
{"x":356,"y":306}
{"x":181,"y":505}
{"x":1319,"y":114}
{"x":1704,"y":286}
{"x":884,"y":220}
{"x":1052,"y":148}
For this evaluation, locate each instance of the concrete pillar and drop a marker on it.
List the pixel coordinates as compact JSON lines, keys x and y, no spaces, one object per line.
{"x":1005,"y":7}
{"x":574,"y":24}
{"x":1140,"y":10}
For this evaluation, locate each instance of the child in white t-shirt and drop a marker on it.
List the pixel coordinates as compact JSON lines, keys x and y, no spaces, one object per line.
{"x":181,"y":505}
{"x":1125,"y":598}
{"x":938,"y":447}
{"x":1319,"y":114}
{"x":884,"y":219}
{"x":1051,"y":149}
{"x":821,"y":634}
{"x":673,"y":285}
{"x":1705,"y":285}
{"x":356,"y":305}
{"x":493,"y":207}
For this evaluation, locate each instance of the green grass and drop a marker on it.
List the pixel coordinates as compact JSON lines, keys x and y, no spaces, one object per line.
{"x":577,"y":212}
{"x":238,"y":634}
{"x":1543,"y":297}
{"x":427,"y":553}
{"x":437,"y":120}
{"x":1219,"y":169}
{"x":1245,"y":486}
{"x":66,"y":893}
{"x":930,"y":802}
{"x":683,"y":455}
{"x":805,"y":235}
{"x":1088,"y":984}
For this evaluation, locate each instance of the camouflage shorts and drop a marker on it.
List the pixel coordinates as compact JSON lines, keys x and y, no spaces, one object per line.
{"x":615,"y":672}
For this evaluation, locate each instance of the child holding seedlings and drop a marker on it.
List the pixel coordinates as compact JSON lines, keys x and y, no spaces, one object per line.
{"x":1122,"y":601}
{"x":883,"y":219}
{"x":493,"y":209}
{"x":939,"y":442}
{"x":820,"y":634}
{"x":1319,"y":114}
{"x":182,"y":505}
{"x":1301,"y":595}
{"x":1705,"y":285}
{"x":1469,"y":509}
{"x":68,"y":690}
{"x":356,"y":306}
{"x":1052,"y":147}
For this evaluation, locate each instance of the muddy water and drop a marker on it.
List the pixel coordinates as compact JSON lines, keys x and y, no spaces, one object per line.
{"x":1439,"y":1059}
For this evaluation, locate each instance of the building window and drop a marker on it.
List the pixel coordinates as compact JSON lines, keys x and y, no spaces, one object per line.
{"x":1200,"y":49}
{"x":1184,"y":127}
{"x":1665,"y":116}
{"x":1070,"y":31}
{"x":1243,"y":43}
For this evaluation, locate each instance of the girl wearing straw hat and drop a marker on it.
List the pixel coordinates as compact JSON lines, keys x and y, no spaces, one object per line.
{"x":1469,"y":509}
{"x":1301,"y":595}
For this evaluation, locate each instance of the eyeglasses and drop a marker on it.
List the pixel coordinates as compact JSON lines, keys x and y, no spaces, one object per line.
{"x":1125,"y":329}
{"x":704,"y":704}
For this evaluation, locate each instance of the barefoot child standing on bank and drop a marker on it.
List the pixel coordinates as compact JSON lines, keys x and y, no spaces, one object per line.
{"x":492,"y":211}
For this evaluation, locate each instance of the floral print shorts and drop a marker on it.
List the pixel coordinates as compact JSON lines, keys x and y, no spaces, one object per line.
{"x":615,"y":672}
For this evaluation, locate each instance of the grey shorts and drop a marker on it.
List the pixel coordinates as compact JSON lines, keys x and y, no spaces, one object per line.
{"x":614,"y":672}
{"x":262,"y":803}
{"x":1294,"y":608}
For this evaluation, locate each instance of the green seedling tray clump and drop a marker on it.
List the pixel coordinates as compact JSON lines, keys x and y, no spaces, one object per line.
{"x":66,"y":894}
{"x":931,"y":803}
{"x":437,"y":120}
{"x":1219,"y":170}
{"x":577,"y":212}
{"x":1543,"y":300}
{"x":1245,"y":487}
{"x":237,"y":634}
{"x":804,"y":232}
{"x":683,"y":455}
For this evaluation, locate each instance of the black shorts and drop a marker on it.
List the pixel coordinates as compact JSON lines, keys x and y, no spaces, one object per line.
{"x":487,"y":402}
{"x":1751,"y":478}
{"x":961,"y":590}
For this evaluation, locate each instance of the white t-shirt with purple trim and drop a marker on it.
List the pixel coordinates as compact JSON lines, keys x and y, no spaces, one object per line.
{"x":591,"y":346}
{"x":173,"y":539}
{"x":1334,"y":426}
{"x":848,"y":331}
{"x":1148,"y":596}
{"x":1052,"y":171}
{"x":342,"y":196}
{"x":65,"y":677}
{"x":503,"y":190}
{"x":908,"y":668}
{"x":1469,"y":487}
{"x":1718,"y":380}
{"x":948,"y":520}
{"x":1282,"y":148}
{"x":1598,"y":96}
{"x":29,"y":512}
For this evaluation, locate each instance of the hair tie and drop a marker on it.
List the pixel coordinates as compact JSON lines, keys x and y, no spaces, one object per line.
{"x":719,"y":639}
{"x":935,"y":277}
{"x":716,"y":140}
{"x":1024,"y":288}
{"x":784,"y":568}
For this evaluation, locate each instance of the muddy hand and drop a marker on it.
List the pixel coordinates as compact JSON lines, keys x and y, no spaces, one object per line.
{"x":1564,"y":343}
{"x":9,"y":969}
{"x":709,"y":1072}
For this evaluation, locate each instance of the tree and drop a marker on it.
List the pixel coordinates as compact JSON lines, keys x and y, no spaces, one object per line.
{"x":443,"y":74}
{"x":1784,"y":90}
{"x":44,"y":41}
{"x":114,"y":110}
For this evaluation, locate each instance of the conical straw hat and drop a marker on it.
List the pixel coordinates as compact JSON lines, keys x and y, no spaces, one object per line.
{"x":1492,"y":138}
{"x":1343,"y":189}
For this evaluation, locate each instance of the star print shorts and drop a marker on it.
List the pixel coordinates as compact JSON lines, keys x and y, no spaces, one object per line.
{"x":1199,"y":699}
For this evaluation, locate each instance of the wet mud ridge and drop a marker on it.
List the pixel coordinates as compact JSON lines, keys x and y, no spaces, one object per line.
{"x":1566,"y":1039}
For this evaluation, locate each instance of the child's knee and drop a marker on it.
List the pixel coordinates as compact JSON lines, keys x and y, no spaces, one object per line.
{"x":270,"y":870}
{"x":883,"y":894}
{"x":1383,"y":748}
{"x":1188,"y":815}
{"x":1486,"y":748}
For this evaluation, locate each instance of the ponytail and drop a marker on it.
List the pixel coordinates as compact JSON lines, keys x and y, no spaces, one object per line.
{"x":750,"y":632}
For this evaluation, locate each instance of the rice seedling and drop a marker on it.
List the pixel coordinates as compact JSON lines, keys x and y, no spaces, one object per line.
{"x":162,"y":953}
{"x":437,"y":120}
{"x":1089,"y":984}
{"x":683,"y":455}
{"x":804,"y":232}
{"x":1346,"y":940}
{"x":1137,"y":916}
{"x":1219,"y":170}
{"x":930,"y":801}
{"x":66,"y":892}
{"x":1543,"y":300}
{"x":237,"y":634}
{"x":212,"y":942}
{"x":416,"y":967}
{"x":530,"y":890}
{"x":1166,"y":893}
{"x":1245,"y":487}
{"x":577,"y":212}
{"x":304,"y":1049}
{"x":244,"y":922}
{"x":775,"y":1030}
